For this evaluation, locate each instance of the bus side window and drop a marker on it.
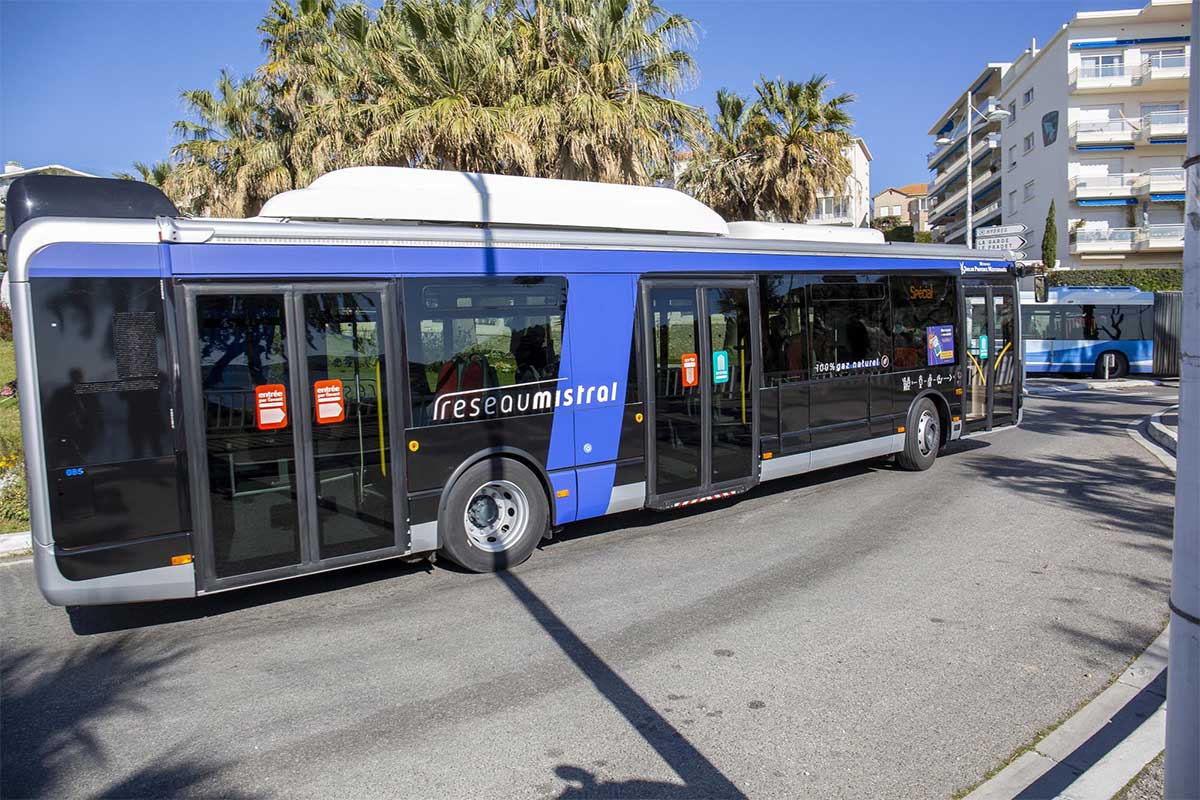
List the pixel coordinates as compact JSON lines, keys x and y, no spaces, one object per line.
{"x":919,"y":303}
{"x":785,"y":339}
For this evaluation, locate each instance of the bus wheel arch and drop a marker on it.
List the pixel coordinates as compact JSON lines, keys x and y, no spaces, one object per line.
{"x":942,"y":406}
{"x":1120,"y":368}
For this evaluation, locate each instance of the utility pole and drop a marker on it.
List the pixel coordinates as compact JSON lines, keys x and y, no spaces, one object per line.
{"x":970,"y":169}
{"x":1183,"y":666}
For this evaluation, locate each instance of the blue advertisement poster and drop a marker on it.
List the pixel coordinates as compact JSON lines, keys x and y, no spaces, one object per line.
{"x":939,"y":345}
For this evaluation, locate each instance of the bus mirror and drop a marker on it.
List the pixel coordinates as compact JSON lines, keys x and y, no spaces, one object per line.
{"x":1041,"y":290}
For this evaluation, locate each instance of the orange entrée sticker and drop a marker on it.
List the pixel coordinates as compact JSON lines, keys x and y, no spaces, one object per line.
{"x":331,"y":403}
{"x":691,"y":369}
{"x":270,"y":406}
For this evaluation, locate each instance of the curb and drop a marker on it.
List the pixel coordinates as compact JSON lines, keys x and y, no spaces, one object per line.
{"x":1160,"y":433}
{"x":1098,"y":749}
{"x":15,"y":544}
{"x":1115,"y":385}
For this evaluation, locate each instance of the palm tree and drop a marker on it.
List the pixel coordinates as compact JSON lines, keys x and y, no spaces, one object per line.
{"x":722,"y":174}
{"x":234,"y":151}
{"x":802,"y":139}
{"x":155,"y":173}
{"x":769,"y":159}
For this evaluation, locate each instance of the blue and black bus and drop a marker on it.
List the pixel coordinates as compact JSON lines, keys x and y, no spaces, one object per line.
{"x":401,"y":363}
{"x":1078,"y":326}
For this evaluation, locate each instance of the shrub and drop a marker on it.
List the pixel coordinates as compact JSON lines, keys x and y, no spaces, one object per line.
{"x":14,"y":498}
{"x":5,"y":323}
{"x":1148,"y":280}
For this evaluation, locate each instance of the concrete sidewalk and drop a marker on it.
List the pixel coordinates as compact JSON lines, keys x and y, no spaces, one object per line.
{"x":1163,"y":428}
{"x":15,"y":544}
{"x":1044,"y":386}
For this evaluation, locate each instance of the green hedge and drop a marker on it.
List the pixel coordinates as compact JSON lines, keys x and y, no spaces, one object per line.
{"x":1148,"y":280}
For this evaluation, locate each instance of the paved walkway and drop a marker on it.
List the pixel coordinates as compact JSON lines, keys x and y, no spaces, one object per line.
{"x":15,"y":544}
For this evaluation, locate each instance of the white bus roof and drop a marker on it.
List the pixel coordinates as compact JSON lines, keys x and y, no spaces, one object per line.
{"x":1092,"y":295}
{"x":792,"y":232}
{"x":401,"y":194}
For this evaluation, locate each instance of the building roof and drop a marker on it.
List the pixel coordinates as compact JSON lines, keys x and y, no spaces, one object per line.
{"x":909,"y":189}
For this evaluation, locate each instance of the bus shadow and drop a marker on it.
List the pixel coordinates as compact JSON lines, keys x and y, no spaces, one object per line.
{"x":55,"y":709}
{"x":91,"y":620}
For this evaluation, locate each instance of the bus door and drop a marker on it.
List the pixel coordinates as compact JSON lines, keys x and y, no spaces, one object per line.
{"x":701,"y":352}
{"x":290,"y":421}
{"x":991,"y":383}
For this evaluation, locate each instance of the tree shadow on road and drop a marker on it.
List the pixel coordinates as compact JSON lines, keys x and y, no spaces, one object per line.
{"x":54,"y":710}
{"x":1048,"y":417}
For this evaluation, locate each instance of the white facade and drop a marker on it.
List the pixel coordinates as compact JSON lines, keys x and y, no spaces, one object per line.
{"x":1099,"y":127}
{"x":948,"y":161}
{"x":851,"y":205}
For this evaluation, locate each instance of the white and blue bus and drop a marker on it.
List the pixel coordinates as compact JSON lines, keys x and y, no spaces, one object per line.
{"x":1078,"y":326}
{"x":397,"y":363}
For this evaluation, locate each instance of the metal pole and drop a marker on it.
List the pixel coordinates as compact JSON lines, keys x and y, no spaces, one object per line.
{"x":1183,"y":673}
{"x":970,"y":167}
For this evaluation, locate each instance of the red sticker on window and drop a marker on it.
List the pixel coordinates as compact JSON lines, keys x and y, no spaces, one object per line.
{"x":270,"y":406}
{"x":331,"y":405}
{"x":691,"y":369}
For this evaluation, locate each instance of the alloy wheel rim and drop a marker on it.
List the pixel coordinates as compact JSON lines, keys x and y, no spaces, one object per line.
{"x":927,"y":433}
{"x":496,"y":516}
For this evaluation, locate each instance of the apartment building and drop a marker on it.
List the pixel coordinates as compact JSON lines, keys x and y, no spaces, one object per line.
{"x":908,"y":203}
{"x":1100,"y":128}
{"x":851,"y":203}
{"x":962,"y":137}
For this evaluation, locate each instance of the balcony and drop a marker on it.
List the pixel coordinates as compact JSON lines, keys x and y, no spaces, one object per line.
{"x":1160,"y":238}
{"x":834,"y":218}
{"x":1104,"y":77}
{"x":951,"y":202}
{"x":1161,"y":181}
{"x":932,"y":157}
{"x":956,"y":167}
{"x":1103,"y":240}
{"x":1103,"y":131}
{"x":1165,"y":125}
{"x":980,"y":216}
{"x":1100,"y":186}
{"x":1166,"y":71}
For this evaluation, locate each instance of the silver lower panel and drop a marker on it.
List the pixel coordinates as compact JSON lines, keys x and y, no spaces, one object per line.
{"x":161,"y":583}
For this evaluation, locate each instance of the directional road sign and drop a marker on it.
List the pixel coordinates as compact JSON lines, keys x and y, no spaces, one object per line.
{"x":1000,"y":243}
{"x":1000,"y":230}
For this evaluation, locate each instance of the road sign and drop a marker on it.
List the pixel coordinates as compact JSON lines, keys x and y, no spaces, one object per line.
{"x":1001,"y":230}
{"x":1000,"y":243}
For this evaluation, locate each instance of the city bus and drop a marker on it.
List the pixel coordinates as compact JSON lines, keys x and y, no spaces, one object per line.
{"x":1078,"y":326}
{"x":399,"y":363}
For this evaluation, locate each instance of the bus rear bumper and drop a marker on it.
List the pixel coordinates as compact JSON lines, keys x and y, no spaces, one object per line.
{"x":159,"y":583}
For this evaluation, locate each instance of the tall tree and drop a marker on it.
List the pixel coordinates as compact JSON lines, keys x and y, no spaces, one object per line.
{"x":155,"y":174}
{"x":1050,"y":239}
{"x":771,"y":159}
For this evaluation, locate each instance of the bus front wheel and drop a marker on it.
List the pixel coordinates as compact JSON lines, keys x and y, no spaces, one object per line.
{"x":922,"y":437}
{"x":494,"y":516}
{"x":1119,"y":369}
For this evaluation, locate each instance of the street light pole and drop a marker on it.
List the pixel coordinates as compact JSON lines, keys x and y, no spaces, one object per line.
{"x":970,"y":167}
{"x":1183,"y":665}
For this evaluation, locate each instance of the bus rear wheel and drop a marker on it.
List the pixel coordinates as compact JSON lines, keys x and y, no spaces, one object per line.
{"x":922,"y":437}
{"x":1119,"y":369}
{"x":494,"y":516}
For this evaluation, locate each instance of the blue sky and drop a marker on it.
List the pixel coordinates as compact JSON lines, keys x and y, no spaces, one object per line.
{"x":95,"y":85}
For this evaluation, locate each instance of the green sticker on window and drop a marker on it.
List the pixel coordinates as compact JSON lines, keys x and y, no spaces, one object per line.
{"x":720,"y":366}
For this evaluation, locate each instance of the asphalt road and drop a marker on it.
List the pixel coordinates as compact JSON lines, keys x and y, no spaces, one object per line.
{"x":863,"y":632}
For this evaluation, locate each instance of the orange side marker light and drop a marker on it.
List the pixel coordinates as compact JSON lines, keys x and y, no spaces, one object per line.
{"x":563,"y":493}
{"x":180,"y":560}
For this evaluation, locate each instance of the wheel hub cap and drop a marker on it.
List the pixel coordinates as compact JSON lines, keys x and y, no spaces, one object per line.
{"x":496,"y":516}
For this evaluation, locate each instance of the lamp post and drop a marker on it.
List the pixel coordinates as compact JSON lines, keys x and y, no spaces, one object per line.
{"x":994,"y":114}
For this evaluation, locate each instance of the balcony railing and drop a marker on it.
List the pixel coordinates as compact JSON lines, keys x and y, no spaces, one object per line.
{"x":1165,"y":68}
{"x":1166,"y":179}
{"x":1095,"y":76}
{"x":1160,"y":237}
{"x":1104,"y":131}
{"x":1165,"y":123}
{"x":1103,"y":240}
{"x":1118,"y":185}
{"x":831,"y":218}
{"x":955,"y":167}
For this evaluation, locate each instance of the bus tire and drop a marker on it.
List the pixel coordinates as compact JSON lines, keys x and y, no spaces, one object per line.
{"x":494,"y":516}
{"x":1120,"y":368}
{"x":922,"y":437}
